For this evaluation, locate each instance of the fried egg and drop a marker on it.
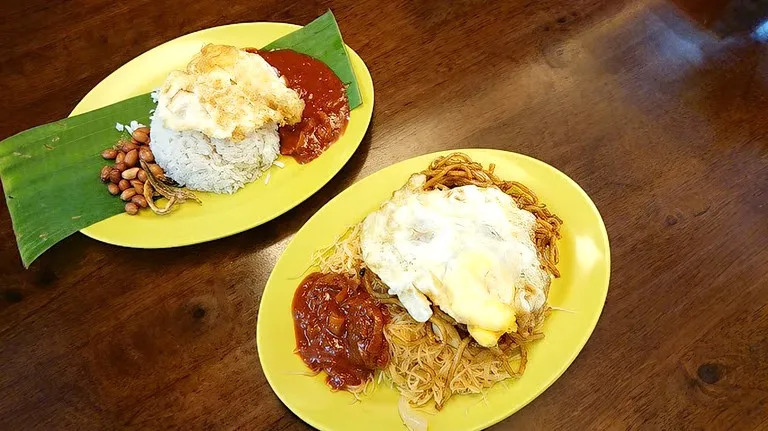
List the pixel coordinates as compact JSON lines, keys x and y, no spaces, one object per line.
{"x":227,"y":93}
{"x":468,"y":250}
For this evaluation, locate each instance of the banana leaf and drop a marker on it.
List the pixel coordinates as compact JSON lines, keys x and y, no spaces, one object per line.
{"x":50,"y":173}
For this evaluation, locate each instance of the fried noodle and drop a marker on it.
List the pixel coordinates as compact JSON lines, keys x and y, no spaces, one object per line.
{"x":432,"y":361}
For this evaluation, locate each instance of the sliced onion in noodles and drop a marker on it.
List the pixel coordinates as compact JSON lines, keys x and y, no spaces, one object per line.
{"x":445,"y":331}
{"x":412,"y":420}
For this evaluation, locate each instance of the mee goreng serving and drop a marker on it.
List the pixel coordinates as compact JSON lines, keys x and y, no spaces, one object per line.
{"x":439,"y":291}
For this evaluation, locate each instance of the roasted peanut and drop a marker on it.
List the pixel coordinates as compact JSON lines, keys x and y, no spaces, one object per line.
{"x":120,"y":157}
{"x":146,"y":154}
{"x":127,"y":194}
{"x":113,"y":189}
{"x":138,"y":186}
{"x":141,"y":135}
{"x":156,"y":170}
{"x":131,"y":208}
{"x":121,"y":166}
{"x":132,"y":158}
{"x":142,"y":176}
{"x":128,"y":146}
{"x":114,"y":176}
{"x":139,"y":200}
{"x":105,"y":173}
{"x":124,"y":185}
{"x":130,"y":174}
{"x":109,"y":153}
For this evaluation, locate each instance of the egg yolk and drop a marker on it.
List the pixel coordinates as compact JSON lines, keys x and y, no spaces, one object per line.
{"x":463,"y":292}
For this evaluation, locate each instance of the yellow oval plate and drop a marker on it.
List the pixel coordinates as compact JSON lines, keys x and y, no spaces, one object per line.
{"x":585,"y":268}
{"x":257,"y":202}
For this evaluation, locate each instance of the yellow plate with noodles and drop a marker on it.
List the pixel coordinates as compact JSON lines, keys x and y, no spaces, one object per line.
{"x":221,"y":215}
{"x":584,"y":266}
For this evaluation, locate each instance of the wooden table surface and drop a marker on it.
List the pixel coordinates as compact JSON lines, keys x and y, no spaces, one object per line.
{"x":661,"y":122}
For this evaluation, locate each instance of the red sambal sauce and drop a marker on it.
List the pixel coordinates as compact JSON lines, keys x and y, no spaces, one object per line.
{"x":326,"y":108}
{"x":339,"y":329}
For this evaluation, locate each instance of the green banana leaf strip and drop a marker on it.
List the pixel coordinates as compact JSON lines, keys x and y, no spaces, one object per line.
{"x":50,"y":173}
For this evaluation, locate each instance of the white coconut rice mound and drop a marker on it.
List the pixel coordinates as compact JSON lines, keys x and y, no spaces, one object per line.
{"x":201,"y":163}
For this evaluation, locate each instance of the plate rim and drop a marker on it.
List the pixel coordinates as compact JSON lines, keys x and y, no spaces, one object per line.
{"x":502,"y":415}
{"x":204,"y":237}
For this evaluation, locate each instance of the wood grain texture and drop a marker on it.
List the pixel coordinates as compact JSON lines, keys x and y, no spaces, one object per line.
{"x":662,"y":123}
